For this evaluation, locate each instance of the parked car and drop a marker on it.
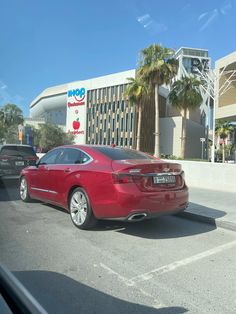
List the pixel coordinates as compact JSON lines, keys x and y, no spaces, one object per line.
{"x":103,"y":182}
{"x":13,"y":158}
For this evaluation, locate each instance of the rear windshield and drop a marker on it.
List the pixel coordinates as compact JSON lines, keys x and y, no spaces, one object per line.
{"x":17,"y":151}
{"x":117,"y":153}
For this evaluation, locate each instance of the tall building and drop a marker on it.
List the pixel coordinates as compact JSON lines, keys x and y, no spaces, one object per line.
{"x":96,"y":111}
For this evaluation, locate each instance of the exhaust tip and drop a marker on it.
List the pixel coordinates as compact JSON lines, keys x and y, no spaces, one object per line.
{"x":137,"y":217}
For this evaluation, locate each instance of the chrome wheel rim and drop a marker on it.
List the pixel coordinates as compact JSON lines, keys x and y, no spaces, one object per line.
{"x":23,"y":189}
{"x":78,"y":208}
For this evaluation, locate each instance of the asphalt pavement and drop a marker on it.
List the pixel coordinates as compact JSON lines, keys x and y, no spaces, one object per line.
{"x":167,"y":265}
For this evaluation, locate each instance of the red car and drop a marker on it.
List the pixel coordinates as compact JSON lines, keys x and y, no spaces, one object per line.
{"x":102,"y":182}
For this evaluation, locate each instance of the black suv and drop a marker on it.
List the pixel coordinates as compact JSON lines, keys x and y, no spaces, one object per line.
{"x":13,"y":158}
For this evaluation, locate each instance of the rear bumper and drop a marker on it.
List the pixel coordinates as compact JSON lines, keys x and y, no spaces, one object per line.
{"x":9,"y":177}
{"x":151,"y":204}
{"x":147,"y":215}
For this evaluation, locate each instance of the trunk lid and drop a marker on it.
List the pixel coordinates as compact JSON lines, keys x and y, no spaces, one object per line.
{"x":151,"y":175}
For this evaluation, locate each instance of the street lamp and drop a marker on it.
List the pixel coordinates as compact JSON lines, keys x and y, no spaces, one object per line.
{"x":202,"y":140}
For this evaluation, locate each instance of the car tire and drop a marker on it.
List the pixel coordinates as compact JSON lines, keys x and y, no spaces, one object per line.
{"x":80,"y":209}
{"x":24,"y":193}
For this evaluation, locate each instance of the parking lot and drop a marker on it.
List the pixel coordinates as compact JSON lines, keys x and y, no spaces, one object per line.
{"x":167,"y":265}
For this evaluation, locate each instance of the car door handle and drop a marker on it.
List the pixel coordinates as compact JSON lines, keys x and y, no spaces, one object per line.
{"x":67,"y":170}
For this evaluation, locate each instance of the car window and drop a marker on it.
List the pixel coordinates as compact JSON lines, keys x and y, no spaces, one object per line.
{"x":118,"y":153}
{"x":12,"y":150}
{"x":73,"y":156}
{"x":51,"y":157}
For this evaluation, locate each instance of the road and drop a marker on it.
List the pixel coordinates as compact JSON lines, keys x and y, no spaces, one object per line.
{"x":168,"y":265}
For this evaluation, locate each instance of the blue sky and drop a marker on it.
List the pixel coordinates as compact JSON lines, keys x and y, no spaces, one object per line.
{"x":46,"y":42}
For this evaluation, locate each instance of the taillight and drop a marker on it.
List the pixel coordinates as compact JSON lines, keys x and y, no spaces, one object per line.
{"x":4,"y":160}
{"x":32,"y":157}
{"x":122,"y":178}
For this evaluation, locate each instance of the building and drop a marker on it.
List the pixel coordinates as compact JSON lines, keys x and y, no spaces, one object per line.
{"x":225,"y":104}
{"x":226,"y":88}
{"x":96,"y":111}
{"x":34,"y":122}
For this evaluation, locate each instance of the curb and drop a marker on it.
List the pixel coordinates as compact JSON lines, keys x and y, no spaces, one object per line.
{"x":209,"y":220}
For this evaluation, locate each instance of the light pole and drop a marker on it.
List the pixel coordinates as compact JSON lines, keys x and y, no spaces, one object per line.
{"x":202,"y":140}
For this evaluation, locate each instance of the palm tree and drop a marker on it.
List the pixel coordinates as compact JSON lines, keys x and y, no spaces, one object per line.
{"x":223,"y":129}
{"x":157,"y":67}
{"x":185,"y":95}
{"x":12,"y":115}
{"x":135,"y":92}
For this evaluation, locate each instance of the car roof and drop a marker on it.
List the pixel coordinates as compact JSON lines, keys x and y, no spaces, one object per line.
{"x":2,"y":145}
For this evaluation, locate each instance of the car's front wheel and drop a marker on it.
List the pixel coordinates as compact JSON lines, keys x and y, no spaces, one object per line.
{"x":24,"y":193}
{"x":80,"y":209}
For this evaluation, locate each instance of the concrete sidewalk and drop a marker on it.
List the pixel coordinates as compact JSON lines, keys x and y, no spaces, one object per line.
{"x":214,"y":207}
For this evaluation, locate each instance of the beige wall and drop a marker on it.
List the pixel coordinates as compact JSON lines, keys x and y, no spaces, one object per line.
{"x":205,"y":175}
{"x":170,"y":138}
{"x":226,"y":103}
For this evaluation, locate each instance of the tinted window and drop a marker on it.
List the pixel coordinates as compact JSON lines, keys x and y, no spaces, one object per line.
{"x":23,"y":151}
{"x":51,"y":157}
{"x":73,"y":156}
{"x":118,"y":153}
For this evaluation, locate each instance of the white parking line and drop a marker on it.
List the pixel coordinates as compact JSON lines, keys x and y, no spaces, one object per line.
{"x":170,"y":267}
{"x":112,"y":272}
{"x":156,"y":304}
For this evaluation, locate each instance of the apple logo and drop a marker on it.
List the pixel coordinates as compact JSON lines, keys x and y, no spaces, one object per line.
{"x":76,"y":124}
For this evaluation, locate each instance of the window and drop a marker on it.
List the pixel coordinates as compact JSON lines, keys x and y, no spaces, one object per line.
{"x":113,"y":107}
{"x":126,"y":122}
{"x":116,"y":90}
{"x":73,"y":156}
{"x":100,"y":140}
{"x":131,"y":122}
{"x":104,"y":92}
{"x":122,"y":105}
{"x":22,"y":151}
{"x":118,"y":153}
{"x":51,"y":157}
{"x":121,"y":89}
{"x":117,"y":136}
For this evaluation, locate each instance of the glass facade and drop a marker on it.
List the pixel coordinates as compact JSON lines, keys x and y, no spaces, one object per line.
{"x":108,"y":115}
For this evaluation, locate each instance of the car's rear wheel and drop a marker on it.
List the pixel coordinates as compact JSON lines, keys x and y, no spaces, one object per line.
{"x":24,"y":193}
{"x":80,"y":209}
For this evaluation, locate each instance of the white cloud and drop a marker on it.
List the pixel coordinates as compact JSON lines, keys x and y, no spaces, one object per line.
{"x":226,"y":7}
{"x":151,"y":25}
{"x":208,"y":17}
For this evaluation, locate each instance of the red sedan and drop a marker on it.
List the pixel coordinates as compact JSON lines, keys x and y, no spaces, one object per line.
{"x":102,"y":182}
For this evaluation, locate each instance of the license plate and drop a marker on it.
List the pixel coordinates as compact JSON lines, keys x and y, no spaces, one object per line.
{"x":20,"y":163}
{"x":164,"y":179}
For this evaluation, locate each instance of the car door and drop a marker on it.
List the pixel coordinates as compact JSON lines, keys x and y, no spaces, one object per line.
{"x":41,"y":179}
{"x":62,"y":173}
